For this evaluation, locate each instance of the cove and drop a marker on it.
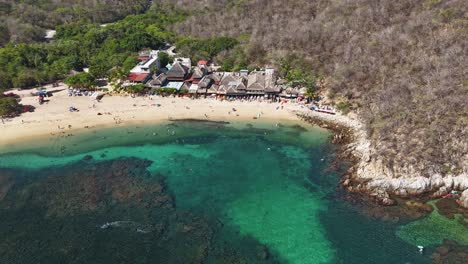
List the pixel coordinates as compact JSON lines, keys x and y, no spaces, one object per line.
{"x":262,"y":185}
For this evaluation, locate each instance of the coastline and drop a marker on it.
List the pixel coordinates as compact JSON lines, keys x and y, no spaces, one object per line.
{"x":371,"y":176}
{"x":53,"y":118}
{"x":200,"y":160}
{"x":367,"y":175}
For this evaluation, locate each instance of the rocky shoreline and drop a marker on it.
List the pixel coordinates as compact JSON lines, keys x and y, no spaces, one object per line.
{"x":373,"y":177}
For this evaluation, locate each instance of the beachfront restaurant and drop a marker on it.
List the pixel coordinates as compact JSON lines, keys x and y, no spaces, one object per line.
{"x":289,"y":93}
{"x":193,"y":89}
{"x":213,"y":90}
{"x":178,"y":86}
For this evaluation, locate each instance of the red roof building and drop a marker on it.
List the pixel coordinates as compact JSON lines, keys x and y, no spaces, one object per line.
{"x":138,"y":77}
{"x":202,"y":62}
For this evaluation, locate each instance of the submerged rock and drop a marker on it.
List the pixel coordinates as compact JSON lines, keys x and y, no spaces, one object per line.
{"x":450,"y":252}
{"x":401,"y":211}
{"x":114,"y":211}
{"x":443,"y":250}
{"x":87,"y":158}
{"x":262,"y":253}
{"x":449,"y":207}
{"x":6,"y":183}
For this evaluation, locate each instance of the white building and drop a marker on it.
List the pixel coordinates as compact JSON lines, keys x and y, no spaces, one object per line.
{"x":148,"y":60}
{"x":187,"y":62}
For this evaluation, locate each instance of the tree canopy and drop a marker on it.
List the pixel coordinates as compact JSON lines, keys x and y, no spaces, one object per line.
{"x":8,"y":106}
{"x":81,"y":80}
{"x":136,"y":89}
{"x":26,"y":21}
{"x":82,"y":44}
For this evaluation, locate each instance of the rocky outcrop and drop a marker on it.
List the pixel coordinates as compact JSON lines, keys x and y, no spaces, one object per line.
{"x":375,"y":176}
{"x":450,"y":252}
{"x":372,"y":175}
{"x":463,"y":201}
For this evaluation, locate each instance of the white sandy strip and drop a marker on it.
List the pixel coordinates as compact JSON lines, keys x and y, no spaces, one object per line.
{"x":126,"y":110}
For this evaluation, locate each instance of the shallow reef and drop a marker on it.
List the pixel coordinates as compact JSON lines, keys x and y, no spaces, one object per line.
{"x":106,"y":212}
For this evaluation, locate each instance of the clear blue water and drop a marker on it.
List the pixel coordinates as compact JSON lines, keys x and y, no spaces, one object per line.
{"x":258,"y":193}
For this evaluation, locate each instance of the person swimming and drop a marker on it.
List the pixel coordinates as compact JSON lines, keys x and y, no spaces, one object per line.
{"x":421,"y":249}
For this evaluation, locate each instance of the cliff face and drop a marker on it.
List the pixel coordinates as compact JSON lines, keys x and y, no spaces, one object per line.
{"x":373,"y":175}
{"x":376,"y":177}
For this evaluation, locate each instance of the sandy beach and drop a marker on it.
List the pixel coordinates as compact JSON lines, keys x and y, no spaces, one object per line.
{"x":54,"y":115}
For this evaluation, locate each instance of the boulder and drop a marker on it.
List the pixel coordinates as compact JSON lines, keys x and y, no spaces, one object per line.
{"x":441,"y":192}
{"x":87,"y":158}
{"x":463,"y":201}
{"x":442,"y":250}
{"x":262,"y":253}
{"x":388,"y":202}
{"x":436,"y":259}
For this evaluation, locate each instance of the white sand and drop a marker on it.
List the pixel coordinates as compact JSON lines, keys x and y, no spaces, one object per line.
{"x":121,"y":111}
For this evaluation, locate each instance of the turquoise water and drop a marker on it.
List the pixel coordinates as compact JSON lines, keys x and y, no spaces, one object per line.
{"x":259,"y":193}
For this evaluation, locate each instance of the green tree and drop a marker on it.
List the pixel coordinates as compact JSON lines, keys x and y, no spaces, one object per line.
{"x":136,"y":89}
{"x":82,"y":44}
{"x":81,"y":80}
{"x":24,"y":78}
{"x":129,"y":63}
{"x":8,"y":106}
{"x":116,"y":73}
{"x":5,"y":81}
{"x":164,"y":59}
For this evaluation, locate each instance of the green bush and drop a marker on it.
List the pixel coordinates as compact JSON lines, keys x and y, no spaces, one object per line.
{"x":166,"y":91}
{"x":136,"y":89}
{"x":81,"y":80}
{"x":8,"y":106}
{"x":164,"y":59}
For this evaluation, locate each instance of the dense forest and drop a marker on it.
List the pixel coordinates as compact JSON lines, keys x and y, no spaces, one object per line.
{"x":107,"y":51}
{"x":402,"y":65}
{"x":27,"y":20}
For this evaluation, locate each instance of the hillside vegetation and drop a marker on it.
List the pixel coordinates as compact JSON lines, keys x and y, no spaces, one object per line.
{"x":109,"y":51}
{"x":401,"y":65}
{"x":26,"y":20}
